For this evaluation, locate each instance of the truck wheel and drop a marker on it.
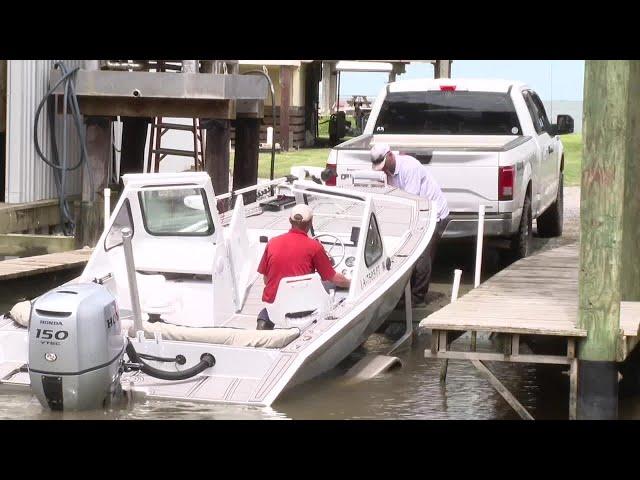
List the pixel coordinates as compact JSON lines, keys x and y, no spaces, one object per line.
{"x":521,"y":241}
{"x":550,"y":222}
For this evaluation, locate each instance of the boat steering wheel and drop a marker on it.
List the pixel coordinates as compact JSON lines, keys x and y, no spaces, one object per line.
{"x":336,"y":241}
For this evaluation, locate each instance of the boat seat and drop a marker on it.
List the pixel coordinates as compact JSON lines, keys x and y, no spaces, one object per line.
{"x":156,"y":296}
{"x":236,"y":337}
{"x":297,"y":298}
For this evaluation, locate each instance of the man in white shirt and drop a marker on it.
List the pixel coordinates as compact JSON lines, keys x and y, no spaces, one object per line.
{"x":408,"y":174}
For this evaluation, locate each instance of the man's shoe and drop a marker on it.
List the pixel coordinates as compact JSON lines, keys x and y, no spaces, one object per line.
{"x":265,"y":325}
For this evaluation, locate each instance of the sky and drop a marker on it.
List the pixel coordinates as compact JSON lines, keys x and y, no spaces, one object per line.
{"x":551,"y":79}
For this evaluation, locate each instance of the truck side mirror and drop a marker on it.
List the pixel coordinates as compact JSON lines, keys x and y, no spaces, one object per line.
{"x":564,"y":124}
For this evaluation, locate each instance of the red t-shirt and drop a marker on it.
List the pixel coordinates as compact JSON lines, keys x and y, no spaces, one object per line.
{"x":289,"y":255}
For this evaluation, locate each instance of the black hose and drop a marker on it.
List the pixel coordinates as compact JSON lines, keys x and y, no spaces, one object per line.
{"x":179,"y":359}
{"x":58,"y":164}
{"x":206,"y":361}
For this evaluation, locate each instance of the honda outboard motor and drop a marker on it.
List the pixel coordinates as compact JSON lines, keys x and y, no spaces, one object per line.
{"x":76,"y":347}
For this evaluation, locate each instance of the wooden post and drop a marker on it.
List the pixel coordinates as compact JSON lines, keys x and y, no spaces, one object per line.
{"x":442,"y":69}
{"x":3,"y":127}
{"x":90,"y":224}
{"x":286,"y":74}
{"x":134,"y":139}
{"x":329,"y":87}
{"x":217,"y":154}
{"x":396,"y":69}
{"x":3,"y":95}
{"x":312,"y":74}
{"x":608,"y":200}
{"x":630,"y":282}
{"x":245,"y":162}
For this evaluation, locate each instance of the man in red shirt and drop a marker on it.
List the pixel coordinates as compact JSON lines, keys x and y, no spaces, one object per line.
{"x":292,"y":254}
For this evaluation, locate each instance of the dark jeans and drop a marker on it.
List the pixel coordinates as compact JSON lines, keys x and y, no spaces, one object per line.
{"x":421,"y":275}
{"x":264,"y":315}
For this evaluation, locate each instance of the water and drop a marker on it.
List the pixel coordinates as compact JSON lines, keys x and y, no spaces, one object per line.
{"x":411,"y":392}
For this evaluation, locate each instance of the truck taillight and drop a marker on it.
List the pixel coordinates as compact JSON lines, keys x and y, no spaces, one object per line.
{"x":506,"y":181}
{"x":332,"y":181}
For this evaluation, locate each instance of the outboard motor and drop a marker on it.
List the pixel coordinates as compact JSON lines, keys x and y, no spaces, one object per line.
{"x":76,"y":348}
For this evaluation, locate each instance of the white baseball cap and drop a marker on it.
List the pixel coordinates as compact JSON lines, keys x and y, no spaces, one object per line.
{"x":379,"y":155}
{"x":301,"y":213}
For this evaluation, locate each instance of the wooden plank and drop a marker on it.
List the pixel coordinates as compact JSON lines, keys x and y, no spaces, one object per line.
{"x":499,"y":357}
{"x":27,"y":216}
{"x":515,"y":344}
{"x":29,"y":266}
{"x":501,"y":389}
{"x":573,"y":390}
{"x":550,"y":330}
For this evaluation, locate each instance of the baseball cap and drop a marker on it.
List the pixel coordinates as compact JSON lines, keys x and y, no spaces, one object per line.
{"x":378,"y":155}
{"x":301,"y":213}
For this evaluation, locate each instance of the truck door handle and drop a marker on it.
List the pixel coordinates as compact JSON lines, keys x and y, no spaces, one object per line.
{"x":550,"y":149}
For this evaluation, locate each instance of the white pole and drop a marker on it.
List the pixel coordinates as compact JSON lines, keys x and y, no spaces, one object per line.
{"x":479,"y":245}
{"x":107,"y":206}
{"x":456,"y":284}
{"x":269,"y":135}
{"x":131,"y":276}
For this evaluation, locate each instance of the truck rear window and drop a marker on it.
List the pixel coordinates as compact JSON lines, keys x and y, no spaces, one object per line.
{"x":448,"y":113}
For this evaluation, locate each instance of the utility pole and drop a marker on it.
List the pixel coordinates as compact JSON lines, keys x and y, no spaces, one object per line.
{"x":610,"y":228}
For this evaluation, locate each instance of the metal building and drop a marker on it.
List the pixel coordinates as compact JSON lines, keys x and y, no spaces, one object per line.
{"x":27,"y":177}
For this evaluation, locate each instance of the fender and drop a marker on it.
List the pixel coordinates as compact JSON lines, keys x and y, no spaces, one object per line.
{"x":526,"y":178}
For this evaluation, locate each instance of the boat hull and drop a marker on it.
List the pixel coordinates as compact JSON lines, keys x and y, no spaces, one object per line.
{"x":352,"y":335}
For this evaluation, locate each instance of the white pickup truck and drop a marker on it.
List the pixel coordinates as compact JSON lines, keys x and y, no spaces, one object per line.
{"x":487,"y":142}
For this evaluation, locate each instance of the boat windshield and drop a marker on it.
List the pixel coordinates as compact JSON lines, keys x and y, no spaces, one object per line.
{"x":176,"y":212}
{"x":338,"y":215}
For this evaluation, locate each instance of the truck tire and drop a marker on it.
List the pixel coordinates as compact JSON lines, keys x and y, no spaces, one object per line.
{"x":521,"y":241}
{"x":550,"y":222}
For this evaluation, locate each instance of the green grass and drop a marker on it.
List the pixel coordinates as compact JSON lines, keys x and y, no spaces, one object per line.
{"x":572,"y":158}
{"x":312,"y":157}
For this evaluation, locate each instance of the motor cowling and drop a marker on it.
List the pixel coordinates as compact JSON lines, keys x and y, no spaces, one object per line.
{"x":76,"y":347}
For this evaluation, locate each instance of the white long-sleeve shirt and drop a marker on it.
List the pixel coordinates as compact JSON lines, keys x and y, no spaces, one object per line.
{"x":412,"y":177}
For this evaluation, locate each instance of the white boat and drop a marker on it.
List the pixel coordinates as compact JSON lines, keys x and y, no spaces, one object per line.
{"x":198,"y":290}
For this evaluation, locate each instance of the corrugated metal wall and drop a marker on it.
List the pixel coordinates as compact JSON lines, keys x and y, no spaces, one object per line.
{"x":28,"y":177}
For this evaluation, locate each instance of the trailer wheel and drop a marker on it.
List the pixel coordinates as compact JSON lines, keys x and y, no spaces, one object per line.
{"x":521,"y":241}
{"x":550,"y":222}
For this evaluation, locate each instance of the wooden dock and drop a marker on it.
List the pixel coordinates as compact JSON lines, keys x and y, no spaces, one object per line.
{"x":537,"y":295}
{"x":53,"y":262}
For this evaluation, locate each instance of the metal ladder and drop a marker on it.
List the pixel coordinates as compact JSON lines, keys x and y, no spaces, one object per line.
{"x":159,"y":128}
{"x":157,"y":153}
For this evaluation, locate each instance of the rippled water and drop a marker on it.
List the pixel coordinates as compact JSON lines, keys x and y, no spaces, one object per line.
{"x":410,"y":392}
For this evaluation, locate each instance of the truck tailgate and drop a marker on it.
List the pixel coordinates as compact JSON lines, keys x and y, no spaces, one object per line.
{"x":467,"y":177}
